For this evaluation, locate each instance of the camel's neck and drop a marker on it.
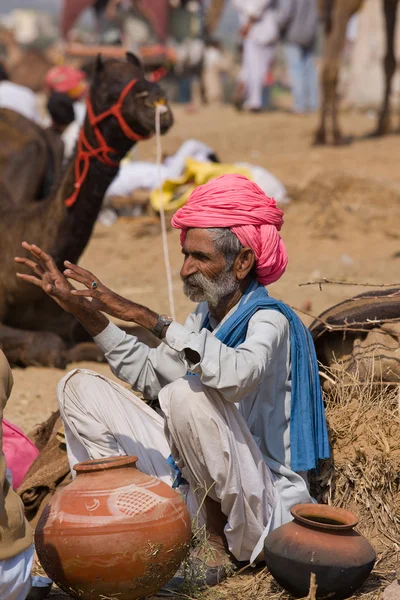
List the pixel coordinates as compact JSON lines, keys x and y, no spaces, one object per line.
{"x":77,"y":222}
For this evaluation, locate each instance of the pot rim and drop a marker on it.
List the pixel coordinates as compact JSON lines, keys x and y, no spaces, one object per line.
{"x":304,"y":512}
{"x":105,"y":464}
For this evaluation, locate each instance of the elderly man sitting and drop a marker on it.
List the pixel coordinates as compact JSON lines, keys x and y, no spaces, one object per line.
{"x":241,"y":407}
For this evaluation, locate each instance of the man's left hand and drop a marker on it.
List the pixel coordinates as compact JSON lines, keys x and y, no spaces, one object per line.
{"x":102,"y":298}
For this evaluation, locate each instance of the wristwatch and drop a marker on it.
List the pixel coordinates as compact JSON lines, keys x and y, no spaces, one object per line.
{"x":162,"y":321}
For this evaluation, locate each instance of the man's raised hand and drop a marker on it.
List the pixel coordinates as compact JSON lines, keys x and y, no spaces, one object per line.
{"x":47,"y":276}
{"x":102,"y":298}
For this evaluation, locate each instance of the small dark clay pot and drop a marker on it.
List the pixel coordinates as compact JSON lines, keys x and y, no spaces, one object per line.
{"x":320,"y":540}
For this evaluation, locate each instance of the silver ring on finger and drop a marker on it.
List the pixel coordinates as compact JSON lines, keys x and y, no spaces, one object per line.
{"x":94,"y":285}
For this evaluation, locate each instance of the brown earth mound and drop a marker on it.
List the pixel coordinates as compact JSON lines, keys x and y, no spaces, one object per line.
{"x":334,"y":198}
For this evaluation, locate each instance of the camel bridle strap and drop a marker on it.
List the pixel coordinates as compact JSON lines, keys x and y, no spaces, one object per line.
{"x":102,"y":153}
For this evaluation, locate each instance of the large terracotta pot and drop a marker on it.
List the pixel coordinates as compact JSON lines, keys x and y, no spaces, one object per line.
{"x":114,"y":532}
{"x":320,"y":540}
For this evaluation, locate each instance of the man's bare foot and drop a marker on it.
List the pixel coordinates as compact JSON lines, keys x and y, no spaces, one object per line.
{"x":210,"y":563}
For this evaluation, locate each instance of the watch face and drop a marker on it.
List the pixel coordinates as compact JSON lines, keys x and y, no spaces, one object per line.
{"x":165,"y":319}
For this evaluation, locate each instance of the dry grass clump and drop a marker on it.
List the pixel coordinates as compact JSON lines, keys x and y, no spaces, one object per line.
{"x":363,"y":474}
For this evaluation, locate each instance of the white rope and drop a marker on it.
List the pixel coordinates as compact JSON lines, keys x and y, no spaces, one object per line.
{"x":159,"y":110}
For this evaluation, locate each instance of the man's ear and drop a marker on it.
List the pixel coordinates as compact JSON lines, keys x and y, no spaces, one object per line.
{"x":244,"y":263}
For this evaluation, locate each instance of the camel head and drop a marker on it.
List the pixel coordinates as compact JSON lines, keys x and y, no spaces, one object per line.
{"x":138,"y":107}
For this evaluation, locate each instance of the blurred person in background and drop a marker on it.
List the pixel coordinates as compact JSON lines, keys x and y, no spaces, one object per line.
{"x":298,"y":24}
{"x":260,"y":34}
{"x":73,"y":83}
{"x":61,"y":111}
{"x":18,"y":97}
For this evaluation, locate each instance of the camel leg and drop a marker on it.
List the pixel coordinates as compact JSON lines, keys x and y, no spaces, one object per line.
{"x":338,"y":138}
{"x":390,"y":14}
{"x":32,"y":348}
{"x":325,"y":12}
{"x":343,"y":11}
{"x":320,"y":135}
{"x":335,"y":41}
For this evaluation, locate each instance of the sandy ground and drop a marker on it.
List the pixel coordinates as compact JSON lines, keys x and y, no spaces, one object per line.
{"x":362,"y":246}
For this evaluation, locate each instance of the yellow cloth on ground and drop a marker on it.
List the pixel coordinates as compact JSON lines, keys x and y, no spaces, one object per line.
{"x":175,"y":192}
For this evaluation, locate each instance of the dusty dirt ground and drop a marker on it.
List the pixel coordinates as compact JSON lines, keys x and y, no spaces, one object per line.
{"x":343,"y":223}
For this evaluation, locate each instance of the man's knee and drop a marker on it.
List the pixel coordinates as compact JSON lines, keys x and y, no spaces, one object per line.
{"x":182,"y":398}
{"x":72,"y":387}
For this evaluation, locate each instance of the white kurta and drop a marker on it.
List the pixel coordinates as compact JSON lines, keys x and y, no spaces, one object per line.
{"x":228,"y":427}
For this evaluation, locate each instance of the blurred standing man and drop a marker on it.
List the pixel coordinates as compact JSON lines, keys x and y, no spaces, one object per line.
{"x":260,"y":33}
{"x":298,"y":24}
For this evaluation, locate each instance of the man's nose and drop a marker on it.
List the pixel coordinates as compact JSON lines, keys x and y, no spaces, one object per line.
{"x":188,"y":267}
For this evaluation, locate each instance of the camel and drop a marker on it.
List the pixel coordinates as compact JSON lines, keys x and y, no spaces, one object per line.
{"x":26,"y":67}
{"x":336,"y":15}
{"x":33,"y":329}
{"x":30,"y":161}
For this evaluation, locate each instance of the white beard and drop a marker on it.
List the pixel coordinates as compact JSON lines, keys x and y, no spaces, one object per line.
{"x":199,"y":288}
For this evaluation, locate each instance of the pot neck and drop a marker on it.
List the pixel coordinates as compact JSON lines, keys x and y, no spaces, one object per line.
{"x":105,"y":464}
{"x":321,"y":516}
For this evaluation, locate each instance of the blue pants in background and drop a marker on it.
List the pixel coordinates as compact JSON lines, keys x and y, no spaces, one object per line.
{"x":303,"y":77}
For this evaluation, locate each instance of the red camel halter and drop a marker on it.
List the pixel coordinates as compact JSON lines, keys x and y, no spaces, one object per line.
{"x":86,"y":151}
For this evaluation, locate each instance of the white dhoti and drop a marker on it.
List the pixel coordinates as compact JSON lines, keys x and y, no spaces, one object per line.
{"x":256,"y":63}
{"x":206,"y":434}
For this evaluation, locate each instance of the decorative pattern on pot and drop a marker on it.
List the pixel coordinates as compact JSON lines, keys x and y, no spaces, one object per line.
{"x":114,"y":531}
{"x":321,"y":540}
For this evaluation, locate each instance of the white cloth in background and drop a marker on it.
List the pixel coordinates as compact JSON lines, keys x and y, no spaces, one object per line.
{"x":71,"y":133}
{"x":140,"y":174}
{"x":20,"y":99}
{"x":15,"y":575}
{"x":240,"y":399}
{"x":267,"y":182}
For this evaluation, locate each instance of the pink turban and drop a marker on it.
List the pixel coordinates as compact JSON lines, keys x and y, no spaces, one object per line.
{"x":235,"y":202}
{"x":66,"y":80}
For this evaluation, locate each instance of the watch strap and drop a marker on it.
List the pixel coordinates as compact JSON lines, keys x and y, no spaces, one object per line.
{"x":162,"y":321}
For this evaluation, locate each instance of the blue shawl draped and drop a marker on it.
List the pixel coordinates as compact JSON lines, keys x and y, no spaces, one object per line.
{"x":308,"y":432}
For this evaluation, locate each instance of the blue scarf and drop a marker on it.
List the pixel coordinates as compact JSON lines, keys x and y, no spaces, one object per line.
{"x":308,"y":433}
